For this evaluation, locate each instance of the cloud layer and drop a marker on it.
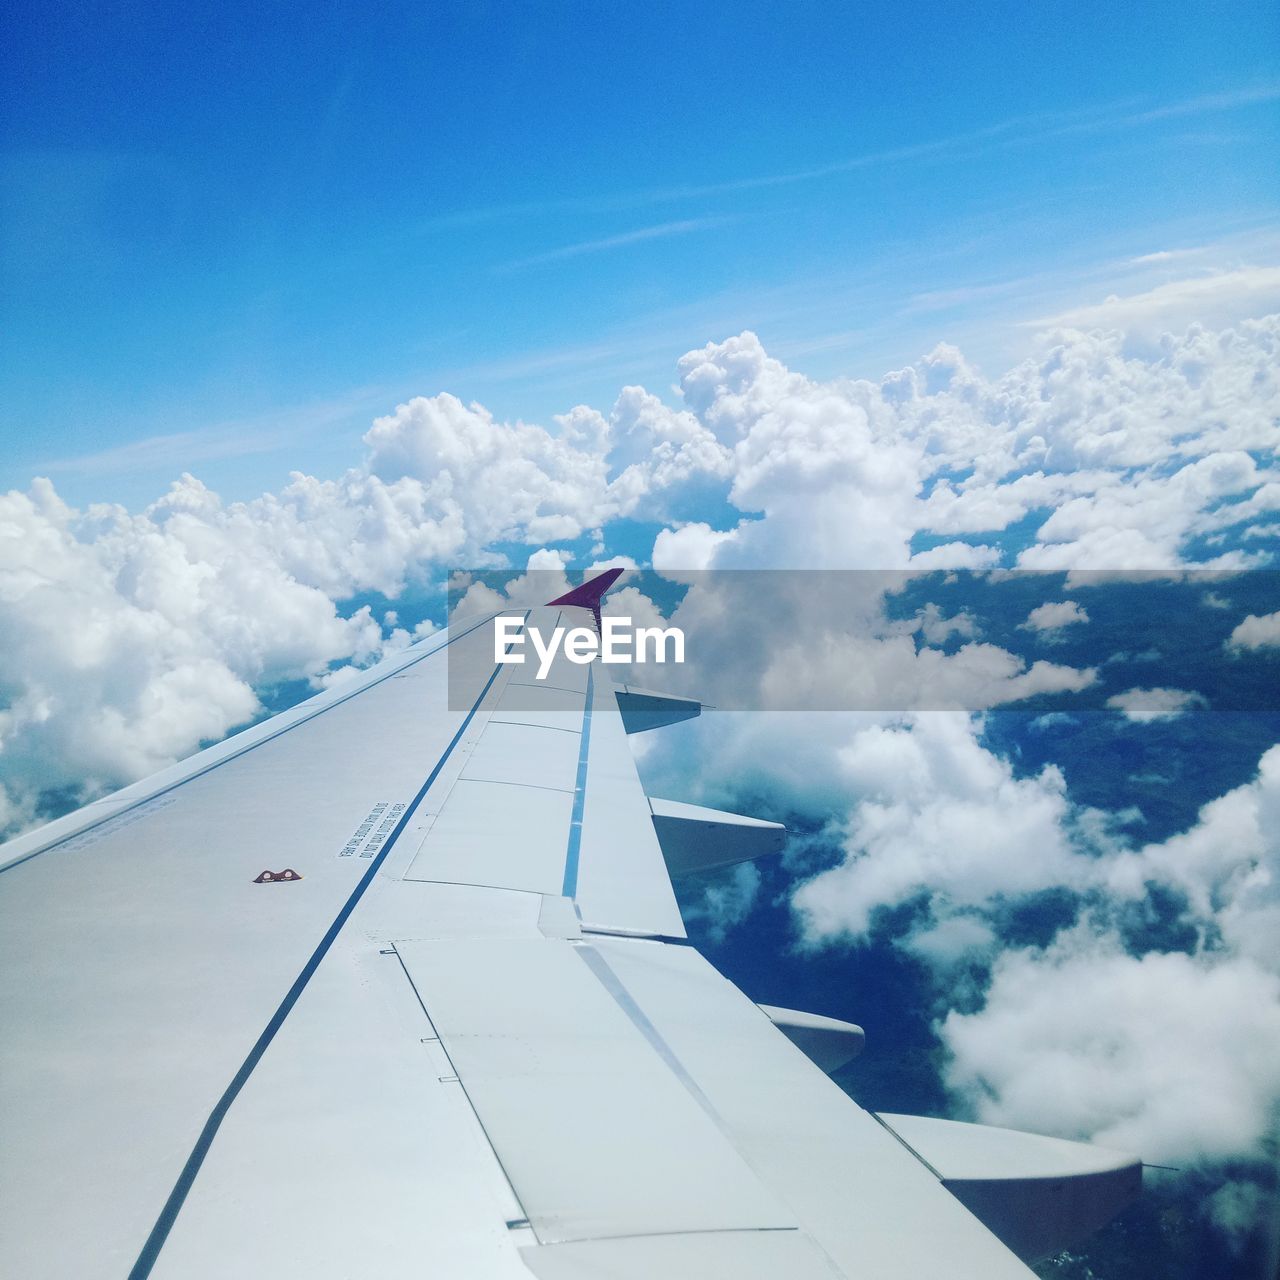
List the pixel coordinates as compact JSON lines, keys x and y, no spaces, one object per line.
{"x":133,"y":637}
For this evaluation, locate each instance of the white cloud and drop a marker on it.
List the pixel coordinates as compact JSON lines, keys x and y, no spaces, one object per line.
{"x":1084,"y":1036}
{"x":659,"y":455}
{"x":957,"y":555}
{"x":1145,"y":706}
{"x":1209,"y":299}
{"x":1227,"y":867}
{"x":940,"y":817}
{"x":826,"y":642}
{"x":1123,"y":458}
{"x":1257,"y":632}
{"x":1237,"y":1207}
{"x":834,"y":489}
{"x":952,"y":941}
{"x":1054,"y":615}
{"x":693,"y":546}
{"x":1171,"y":1056}
{"x":548,"y":559}
{"x":727,"y":899}
{"x":129,"y":639}
{"x":1053,"y":719}
{"x":937,"y":628}
{"x":495,"y":481}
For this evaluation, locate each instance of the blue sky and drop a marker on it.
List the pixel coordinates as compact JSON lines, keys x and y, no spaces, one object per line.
{"x":266,"y":226}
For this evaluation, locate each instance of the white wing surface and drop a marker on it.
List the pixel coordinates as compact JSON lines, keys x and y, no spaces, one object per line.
{"x":464,"y":1037}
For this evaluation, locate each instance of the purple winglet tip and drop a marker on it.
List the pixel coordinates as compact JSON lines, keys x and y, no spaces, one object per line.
{"x":589,"y":594}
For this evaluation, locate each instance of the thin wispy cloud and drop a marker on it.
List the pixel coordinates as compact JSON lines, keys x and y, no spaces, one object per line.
{"x":963,"y":295}
{"x":1256,"y":288}
{"x":177,"y":448}
{"x":662,"y":231}
{"x":954,"y":145}
{"x":1123,"y":116}
{"x":264,"y":433}
{"x":1018,"y":130}
{"x":1114,"y":116}
{"x":1164,"y":255}
{"x":1231,"y":100}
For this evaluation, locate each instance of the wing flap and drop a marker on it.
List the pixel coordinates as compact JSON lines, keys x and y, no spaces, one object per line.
{"x":526,"y":755}
{"x":497,"y":834}
{"x":597,"y":1135}
{"x":743,"y":1255}
{"x":644,"y":709}
{"x":875,"y":1209}
{"x":828,"y":1042}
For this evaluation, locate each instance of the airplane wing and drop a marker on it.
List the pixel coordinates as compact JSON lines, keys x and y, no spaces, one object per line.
{"x":386,"y":987}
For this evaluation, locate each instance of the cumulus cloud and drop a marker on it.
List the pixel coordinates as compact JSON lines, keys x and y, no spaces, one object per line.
{"x":1122,"y":459}
{"x":1173,"y":1056}
{"x":129,"y":639}
{"x":1257,"y":632}
{"x":1144,"y":706}
{"x":816,"y":641}
{"x":132,"y":638}
{"x":939,"y":819}
{"x":1054,"y":615}
{"x":952,"y":941}
{"x":937,"y":627}
{"x":1226,"y":867}
{"x":833,"y":488}
{"x":1095,"y":1034}
{"x":1238,"y":1207}
{"x":693,"y":547}
{"x":1092,"y":1034}
{"x":726,"y":900}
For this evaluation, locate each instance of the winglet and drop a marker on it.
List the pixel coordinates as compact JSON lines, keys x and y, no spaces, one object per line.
{"x":589,"y":594}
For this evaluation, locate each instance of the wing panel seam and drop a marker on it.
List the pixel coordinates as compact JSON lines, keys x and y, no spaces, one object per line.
{"x":462,"y":1085}
{"x":151,"y":1248}
{"x":573,"y":849}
